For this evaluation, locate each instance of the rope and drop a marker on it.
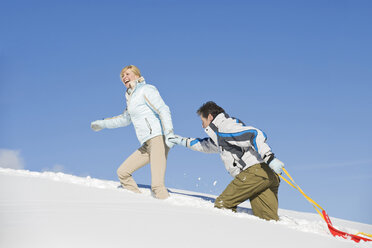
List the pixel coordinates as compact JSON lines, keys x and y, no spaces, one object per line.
{"x":317,"y":207}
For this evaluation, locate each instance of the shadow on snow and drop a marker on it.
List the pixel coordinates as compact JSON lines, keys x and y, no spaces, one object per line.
{"x":205,"y":198}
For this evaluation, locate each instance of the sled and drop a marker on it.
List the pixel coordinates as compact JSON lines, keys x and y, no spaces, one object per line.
{"x":339,"y":233}
{"x":335,"y":232}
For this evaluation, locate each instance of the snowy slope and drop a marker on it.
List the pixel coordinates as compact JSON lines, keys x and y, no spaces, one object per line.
{"x":58,"y":210}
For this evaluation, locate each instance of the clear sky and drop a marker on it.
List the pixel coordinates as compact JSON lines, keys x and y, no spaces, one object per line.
{"x":299,"y":70}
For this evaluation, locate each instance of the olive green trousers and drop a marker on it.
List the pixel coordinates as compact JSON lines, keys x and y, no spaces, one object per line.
{"x":155,"y":152}
{"x":260,"y":185}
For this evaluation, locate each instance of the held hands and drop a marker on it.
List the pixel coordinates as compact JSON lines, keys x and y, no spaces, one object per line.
{"x":172,"y":139}
{"x":168,"y":137}
{"x":97,"y":125}
{"x":178,"y":140}
{"x":276,"y":165}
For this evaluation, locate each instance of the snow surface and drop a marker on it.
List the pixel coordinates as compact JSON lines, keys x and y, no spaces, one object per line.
{"x":59,"y":210}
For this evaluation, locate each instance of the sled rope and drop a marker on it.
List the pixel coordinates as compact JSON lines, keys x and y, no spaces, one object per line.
{"x":294,"y":185}
{"x":365,"y":234}
{"x":323,"y":213}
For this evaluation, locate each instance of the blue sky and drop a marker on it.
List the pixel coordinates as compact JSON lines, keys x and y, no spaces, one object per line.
{"x":299,"y":70}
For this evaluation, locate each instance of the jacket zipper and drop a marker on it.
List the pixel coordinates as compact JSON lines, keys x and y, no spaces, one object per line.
{"x":148,"y":125}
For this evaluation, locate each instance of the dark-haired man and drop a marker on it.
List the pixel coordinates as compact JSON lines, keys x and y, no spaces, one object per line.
{"x":247,"y":158}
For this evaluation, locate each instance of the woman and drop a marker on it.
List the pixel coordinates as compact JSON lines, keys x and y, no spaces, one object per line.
{"x":153,"y":124}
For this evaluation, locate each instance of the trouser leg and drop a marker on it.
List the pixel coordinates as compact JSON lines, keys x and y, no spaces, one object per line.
{"x":135,"y":161}
{"x":257,"y":183}
{"x":244,"y":186}
{"x":265,"y":204}
{"x":158,"y":159}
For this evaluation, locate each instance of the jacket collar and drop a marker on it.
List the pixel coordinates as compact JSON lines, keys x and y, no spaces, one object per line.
{"x":213,"y":127}
{"x":219,"y":119}
{"x":134,"y":85}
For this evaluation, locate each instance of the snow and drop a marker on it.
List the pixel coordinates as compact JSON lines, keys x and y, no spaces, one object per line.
{"x":58,"y":210}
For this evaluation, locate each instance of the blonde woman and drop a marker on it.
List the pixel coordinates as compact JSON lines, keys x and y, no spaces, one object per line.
{"x":152,"y":122}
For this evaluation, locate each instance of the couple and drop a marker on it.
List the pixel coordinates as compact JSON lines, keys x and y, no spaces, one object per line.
{"x":242,"y":148}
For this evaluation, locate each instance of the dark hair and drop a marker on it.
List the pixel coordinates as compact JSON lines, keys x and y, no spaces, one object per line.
{"x":210,"y":108}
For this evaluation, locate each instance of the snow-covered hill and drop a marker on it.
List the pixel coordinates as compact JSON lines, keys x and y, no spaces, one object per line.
{"x":58,"y":210}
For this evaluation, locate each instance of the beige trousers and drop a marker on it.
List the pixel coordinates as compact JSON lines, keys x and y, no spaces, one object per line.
{"x":155,"y":152}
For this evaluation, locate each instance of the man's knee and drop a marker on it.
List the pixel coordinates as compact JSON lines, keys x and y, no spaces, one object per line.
{"x":220,"y":203}
{"x":265,"y":207}
{"x":268,"y":216}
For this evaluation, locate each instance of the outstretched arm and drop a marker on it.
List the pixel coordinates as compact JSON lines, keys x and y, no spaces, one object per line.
{"x":201,"y":145}
{"x":122,"y":120}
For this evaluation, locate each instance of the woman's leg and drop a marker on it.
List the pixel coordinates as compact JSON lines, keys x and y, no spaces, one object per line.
{"x":135,"y":161}
{"x":158,"y":159}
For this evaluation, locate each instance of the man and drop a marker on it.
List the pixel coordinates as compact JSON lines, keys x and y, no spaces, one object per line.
{"x":247,"y":158}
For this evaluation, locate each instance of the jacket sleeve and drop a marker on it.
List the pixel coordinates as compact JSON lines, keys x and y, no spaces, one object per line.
{"x":205,"y":145}
{"x":122,"y":120}
{"x":156,"y":103}
{"x":254,"y":138}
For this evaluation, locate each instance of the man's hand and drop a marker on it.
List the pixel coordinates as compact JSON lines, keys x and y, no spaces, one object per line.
{"x":276,"y":165}
{"x":178,"y":140}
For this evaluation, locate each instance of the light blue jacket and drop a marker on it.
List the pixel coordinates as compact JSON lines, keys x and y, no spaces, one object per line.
{"x":146,"y":110}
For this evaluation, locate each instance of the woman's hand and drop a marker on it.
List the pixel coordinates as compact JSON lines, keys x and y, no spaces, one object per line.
{"x":168,"y":137}
{"x":97,"y":125}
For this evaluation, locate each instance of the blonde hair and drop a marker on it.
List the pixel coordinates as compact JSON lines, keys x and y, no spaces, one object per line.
{"x":133,"y":68}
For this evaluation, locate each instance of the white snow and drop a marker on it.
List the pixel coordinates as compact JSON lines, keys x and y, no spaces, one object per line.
{"x":58,"y":210}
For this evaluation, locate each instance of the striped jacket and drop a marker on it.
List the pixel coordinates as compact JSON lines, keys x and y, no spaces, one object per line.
{"x":146,"y":110}
{"x":239,"y":146}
